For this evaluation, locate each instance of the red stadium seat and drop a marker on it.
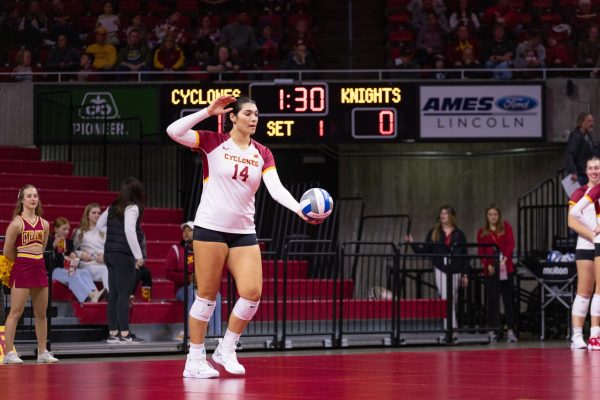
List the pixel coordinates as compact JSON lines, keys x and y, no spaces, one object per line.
{"x":97,"y":7}
{"x":130,"y":7}
{"x":157,"y":9}
{"x":399,"y":18}
{"x":86,"y":24}
{"x":74,"y":8}
{"x":187,"y":7}
{"x":401,"y":36}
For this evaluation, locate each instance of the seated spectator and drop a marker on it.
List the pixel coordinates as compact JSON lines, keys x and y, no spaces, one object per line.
{"x":439,"y":63}
{"x":421,"y":9}
{"x":585,"y":17}
{"x":300,"y":32}
{"x":33,"y":27}
{"x":177,"y":265}
{"x":62,"y":56}
{"x":168,"y":56}
{"x":105,"y":54}
{"x":88,"y":242}
{"x":523,"y":56}
{"x":134,"y":57}
{"x":468,"y":61}
{"x":204,"y":41}
{"x":430,"y":41}
{"x":498,"y":53}
{"x":268,"y":45}
{"x":463,"y":40}
{"x":222,"y":62}
{"x":299,"y":59}
{"x":239,"y":36}
{"x":23,"y":68}
{"x":588,"y":50}
{"x":65,"y":268}
{"x":502,"y":13}
{"x":558,"y":52}
{"x":87,"y":71}
{"x":111,"y":23}
{"x":464,"y":15}
{"x":137,"y":24}
{"x":171,"y":28}
{"x":62,"y":23}
{"x":404,"y":60}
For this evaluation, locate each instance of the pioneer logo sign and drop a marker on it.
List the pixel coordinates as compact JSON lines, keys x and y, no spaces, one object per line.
{"x":481,"y":112}
{"x":98,"y":113}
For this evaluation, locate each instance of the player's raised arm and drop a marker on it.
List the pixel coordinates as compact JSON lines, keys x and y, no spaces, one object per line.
{"x":182,"y":131}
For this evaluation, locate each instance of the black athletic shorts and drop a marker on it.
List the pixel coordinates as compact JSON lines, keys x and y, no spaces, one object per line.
{"x":582,"y":254}
{"x":230,"y":239}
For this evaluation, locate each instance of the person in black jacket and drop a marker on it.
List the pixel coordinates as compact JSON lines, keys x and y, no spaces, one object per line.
{"x":123,"y":254}
{"x":580,"y":148}
{"x":440,"y":240}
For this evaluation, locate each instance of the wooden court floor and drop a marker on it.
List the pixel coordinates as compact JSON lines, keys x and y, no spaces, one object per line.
{"x":442,"y":373}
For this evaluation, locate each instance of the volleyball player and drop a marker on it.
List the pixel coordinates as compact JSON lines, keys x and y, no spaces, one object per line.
{"x":224,"y":231}
{"x":25,"y":241}
{"x":582,"y":219}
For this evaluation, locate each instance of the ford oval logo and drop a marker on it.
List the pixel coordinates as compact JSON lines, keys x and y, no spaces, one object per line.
{"x":516,"y":103}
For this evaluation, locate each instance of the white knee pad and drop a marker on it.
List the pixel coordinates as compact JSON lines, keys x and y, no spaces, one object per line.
{"x":245,"y":309}
{"x":580,"y":306}
{"x":595,"y":308}
{"x":202,"y":309}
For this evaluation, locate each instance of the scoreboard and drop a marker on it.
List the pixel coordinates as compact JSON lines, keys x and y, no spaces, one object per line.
{"x":309,"y":112}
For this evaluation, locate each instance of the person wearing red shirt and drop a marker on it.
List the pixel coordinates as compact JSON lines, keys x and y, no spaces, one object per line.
{"x":498,"y":275}
{"x":502,"y":13}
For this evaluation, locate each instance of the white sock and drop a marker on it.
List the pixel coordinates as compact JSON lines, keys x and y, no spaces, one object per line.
{"x":230,"y":340}
{"x":595,"y":331}
{"x":577,"y":331}
{"x":197,"y":350}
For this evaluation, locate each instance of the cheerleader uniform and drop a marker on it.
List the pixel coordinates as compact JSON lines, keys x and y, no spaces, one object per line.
{"x":29,"y":269}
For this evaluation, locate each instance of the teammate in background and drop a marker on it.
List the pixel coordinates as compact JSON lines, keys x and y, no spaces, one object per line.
{"x":224,"y":230}
{"x":582,"y":219}
{"x":580,"y":148}
{"x":26,"y":239}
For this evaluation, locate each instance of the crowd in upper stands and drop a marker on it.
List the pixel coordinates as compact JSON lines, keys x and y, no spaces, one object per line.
{"x":202,"y":37}
{"x":501,"y":35}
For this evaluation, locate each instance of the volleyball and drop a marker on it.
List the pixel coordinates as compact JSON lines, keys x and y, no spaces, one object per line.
{"x":316,"y":203}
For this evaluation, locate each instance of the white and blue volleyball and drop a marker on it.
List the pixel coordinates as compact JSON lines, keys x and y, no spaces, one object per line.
{"x":316,"y":203}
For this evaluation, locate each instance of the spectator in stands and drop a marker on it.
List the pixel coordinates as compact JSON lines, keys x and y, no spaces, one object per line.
{"x":498,"y":53}
{"x":588,"y":51}
{"x":583,"y":223}
{"x":9,"y":31}
{"x":62,"y":56}
{"x":404,"y":60}
{"x":439,"y":63}
{"x":111,"y":23}
{"x":580,"y":148}
{"x":439,"y":240}
{"x":137,"y":24}
{"x":269,"y":46}
{"x":205,"y":41}
{"x":168,"y":56}
{"x":299,"y":59}
{"x":222,"y":62}
{"x":464,"y":15}
{"x":239,"y":36}
{"x":585,"y":17}
{"x":87,"y":71}
{"x":134,"y":57}
{"x":177,"y":264}
{"x":558,"y":52}
{"x":463,"y":40}
{"x":105,"y":54}
{"x":503,"y":14}
{"x":468,"y":61}
{"x":498,"y":271}
{"x":24,"y":242}
{"x":529,"y":48}
{"x":430,"y":41}
{"x":123,"y":253}
{"x":88,"y":242}
{"x":62,"y":23}
{"x":300,"y":31}
{"x":23,"y":70}
{"x":171,"y":28}
{"x":422,"y":9}
{"x":33,"y":27}
{"x":65,"y":268}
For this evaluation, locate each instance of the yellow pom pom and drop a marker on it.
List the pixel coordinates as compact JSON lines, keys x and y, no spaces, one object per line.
{"x":5,"y":268}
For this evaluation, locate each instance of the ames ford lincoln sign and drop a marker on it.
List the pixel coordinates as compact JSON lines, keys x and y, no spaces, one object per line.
{"x":481,"y":112}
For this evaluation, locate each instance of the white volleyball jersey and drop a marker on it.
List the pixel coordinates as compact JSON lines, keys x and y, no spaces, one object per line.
{"x":231,"y":178}
{"x":588,"y":218}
